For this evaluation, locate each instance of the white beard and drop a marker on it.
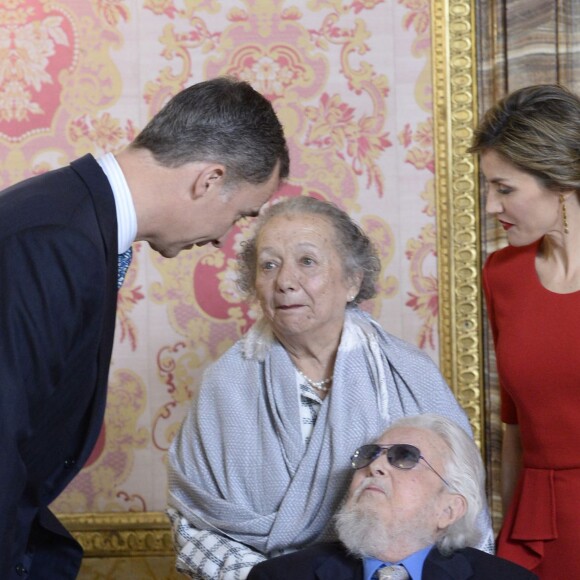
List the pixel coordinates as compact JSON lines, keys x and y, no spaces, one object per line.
{"x":362,"y":533}
{"x":365,"y":534}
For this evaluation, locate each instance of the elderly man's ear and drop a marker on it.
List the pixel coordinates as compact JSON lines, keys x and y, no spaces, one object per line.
{"x":453,"y":509}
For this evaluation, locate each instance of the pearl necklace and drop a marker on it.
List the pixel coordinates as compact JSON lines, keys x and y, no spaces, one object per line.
{"x":320,"y":385}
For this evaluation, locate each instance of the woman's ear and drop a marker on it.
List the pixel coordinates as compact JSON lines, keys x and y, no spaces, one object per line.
{"x":354,"y":288}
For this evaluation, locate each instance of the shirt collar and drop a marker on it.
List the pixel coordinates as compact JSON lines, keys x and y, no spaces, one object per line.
{"x":413,"y":564}
{"x":126,"y":216}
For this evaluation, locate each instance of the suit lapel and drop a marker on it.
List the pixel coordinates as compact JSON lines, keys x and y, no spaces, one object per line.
{"x":104,"y":203}
{"x":333,"y":568}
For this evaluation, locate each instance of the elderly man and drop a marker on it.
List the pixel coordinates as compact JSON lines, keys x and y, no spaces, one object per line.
{"x":214,"y":154}
{"x":410,"y":513}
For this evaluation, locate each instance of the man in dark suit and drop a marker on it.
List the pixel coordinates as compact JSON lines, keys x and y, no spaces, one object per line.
{"x":411,"y":511}
{"x":215,"y":153}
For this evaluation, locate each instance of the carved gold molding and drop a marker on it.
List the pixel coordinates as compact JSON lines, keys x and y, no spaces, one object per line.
{"x":458,"y":215}
{"x":121,"y":534}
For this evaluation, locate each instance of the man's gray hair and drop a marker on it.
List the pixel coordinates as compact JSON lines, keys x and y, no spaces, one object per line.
{"x":221,"y":120}
{"x":463,"y":471}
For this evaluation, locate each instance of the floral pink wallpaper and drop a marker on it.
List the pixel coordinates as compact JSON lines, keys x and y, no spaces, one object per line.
{"x":351,"y":82}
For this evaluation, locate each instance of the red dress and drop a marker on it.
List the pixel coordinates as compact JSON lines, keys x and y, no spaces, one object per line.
{"x":537,"y":342}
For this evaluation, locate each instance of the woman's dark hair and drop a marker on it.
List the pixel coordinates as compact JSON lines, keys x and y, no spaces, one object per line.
{"x":536,"y":129}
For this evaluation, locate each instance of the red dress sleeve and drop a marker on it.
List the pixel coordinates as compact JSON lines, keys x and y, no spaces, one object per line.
{"x":508,"y":412}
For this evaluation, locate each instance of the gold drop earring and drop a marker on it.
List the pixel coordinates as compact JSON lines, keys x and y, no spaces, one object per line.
{"x":564,"y":215}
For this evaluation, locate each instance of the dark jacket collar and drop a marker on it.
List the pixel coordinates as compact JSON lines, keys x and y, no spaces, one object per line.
{"x":453,"y":567}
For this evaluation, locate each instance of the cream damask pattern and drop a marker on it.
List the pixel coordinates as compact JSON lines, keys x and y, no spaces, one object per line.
{"x":26,"y":49}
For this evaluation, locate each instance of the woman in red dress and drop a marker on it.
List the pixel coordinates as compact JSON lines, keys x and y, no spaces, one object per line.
{"x":529,"y":145}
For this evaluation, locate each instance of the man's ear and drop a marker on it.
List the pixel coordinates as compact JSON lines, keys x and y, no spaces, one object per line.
{"x":209,"y":179}
{"x":453,"y":509}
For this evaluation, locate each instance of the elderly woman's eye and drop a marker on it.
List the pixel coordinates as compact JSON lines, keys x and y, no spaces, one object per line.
{"x":269,"y":265}
{"x":307,"y":261}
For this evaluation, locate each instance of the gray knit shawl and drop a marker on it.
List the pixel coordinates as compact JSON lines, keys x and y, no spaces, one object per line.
{"x":240,"y":466}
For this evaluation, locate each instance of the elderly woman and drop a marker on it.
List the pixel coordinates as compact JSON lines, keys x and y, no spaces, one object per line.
{"x":262,"y":458}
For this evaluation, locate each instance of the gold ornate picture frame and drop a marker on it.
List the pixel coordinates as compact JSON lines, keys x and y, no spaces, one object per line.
{"x":458,"y":257}
{"x":458,"y":207}
{"x":127,"y":534}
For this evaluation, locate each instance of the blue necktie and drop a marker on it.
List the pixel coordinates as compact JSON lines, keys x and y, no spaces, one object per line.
{"x":124,"y":263}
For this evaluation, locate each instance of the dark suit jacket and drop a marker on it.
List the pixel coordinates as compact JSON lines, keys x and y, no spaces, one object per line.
{"x":58,"y":296}
{"x":331,"y":562}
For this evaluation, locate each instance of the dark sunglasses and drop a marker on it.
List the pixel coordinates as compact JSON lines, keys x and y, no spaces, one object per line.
{"x":399,"y":455}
